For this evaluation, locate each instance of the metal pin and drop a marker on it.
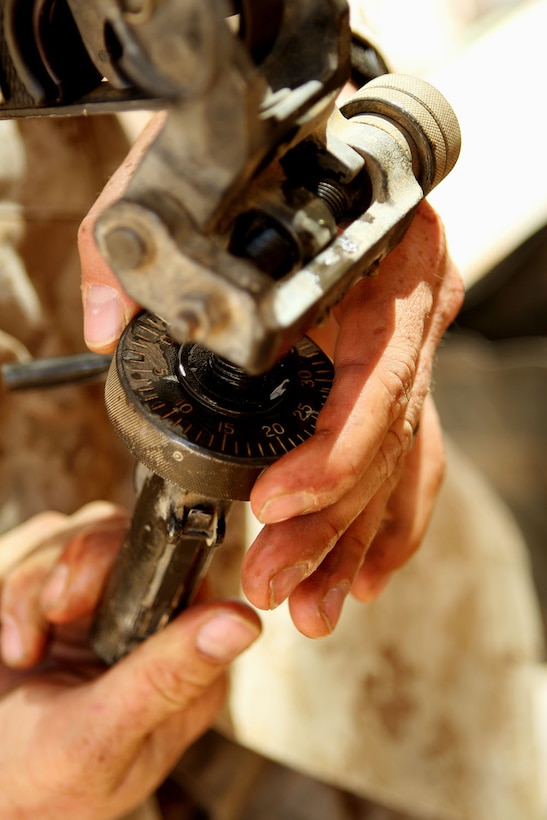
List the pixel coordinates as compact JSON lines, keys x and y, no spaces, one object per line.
{"x":37,"y":374}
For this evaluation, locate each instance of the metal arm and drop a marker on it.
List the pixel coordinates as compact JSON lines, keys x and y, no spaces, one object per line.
{"x":165,"y":555}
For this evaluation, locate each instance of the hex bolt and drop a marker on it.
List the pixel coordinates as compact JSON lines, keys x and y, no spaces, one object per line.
{"x":134,"y":6}
{"x":126,"y":248}
{"x":187,"y":324}
{"x":194,"y":318}
{"x":139,"y":10}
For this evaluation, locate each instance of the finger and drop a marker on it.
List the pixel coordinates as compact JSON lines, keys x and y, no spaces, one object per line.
{"x":370,"y":391}
{"x":383,"y":536}
{"x":316,"y":604}
{"x":22,"y":540}
{"x":168,"y":675}
{"x":107,"y":308}
{"x":409,"y":509}
{"x":45,"y":527}
{"x":24,"y":631}
{"x":38,"y":543}
{"x":98,"y":511}
{"x":165,"y":746}
{"x":286,"y":554}
{"x":74,"y":586}
{"x":377,"y":366}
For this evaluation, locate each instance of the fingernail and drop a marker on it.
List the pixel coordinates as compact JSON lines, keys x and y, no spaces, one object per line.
{"x":224,"y":637}
{"x":12,"y":645}
{"x":332,"y":603}
{"x":372,"y":588}
{"x":287,"y":506}
{"x":103,"y":315}
{"x":55,"y":588}
{"x":285,"y":582}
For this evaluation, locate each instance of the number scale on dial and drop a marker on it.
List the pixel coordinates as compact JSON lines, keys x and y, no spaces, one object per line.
{"x":195,"y":407}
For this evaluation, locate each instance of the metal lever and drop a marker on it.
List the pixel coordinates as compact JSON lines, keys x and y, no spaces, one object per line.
{"x":165,"y":554}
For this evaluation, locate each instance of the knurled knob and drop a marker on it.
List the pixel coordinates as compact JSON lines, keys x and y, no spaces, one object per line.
{"x":420,"y":111}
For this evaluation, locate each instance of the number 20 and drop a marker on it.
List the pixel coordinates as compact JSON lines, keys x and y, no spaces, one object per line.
{"x":272,"y":430}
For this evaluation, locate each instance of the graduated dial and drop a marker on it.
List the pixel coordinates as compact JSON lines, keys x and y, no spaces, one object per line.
{"x":201,"y":422}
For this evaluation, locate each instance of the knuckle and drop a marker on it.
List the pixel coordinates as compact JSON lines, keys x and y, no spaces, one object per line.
{"x":85,"y":230}
{"x":178,"y":687}
{"x":356,"y":543}
{"x":398,"y":379}
{"x":99,"y":509}
{"x":395,"y":446}
{"x":24,"y":579}
{"x":49,"y":519}
{"x":332,"y":532}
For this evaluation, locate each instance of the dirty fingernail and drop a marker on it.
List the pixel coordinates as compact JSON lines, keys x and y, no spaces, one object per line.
{"x":285,"y":582}
{"x":103,"y":315}
{"x":332,"y":603}
{"x":373,"y":587}
{"x":12,"y":644}
{"x":55,"y":588}
{"x":224,"y":637}
{"x":286,"y":506}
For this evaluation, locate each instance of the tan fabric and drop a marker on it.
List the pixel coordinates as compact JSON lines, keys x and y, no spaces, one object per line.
{"x":422,"y":700}
{"x":56,"y":448}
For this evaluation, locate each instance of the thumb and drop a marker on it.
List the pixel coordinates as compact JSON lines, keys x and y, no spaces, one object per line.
{"x":106,"y":306}
{"x":169,"y":674}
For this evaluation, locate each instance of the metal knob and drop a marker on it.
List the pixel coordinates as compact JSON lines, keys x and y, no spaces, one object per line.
{"x":424,"y":116}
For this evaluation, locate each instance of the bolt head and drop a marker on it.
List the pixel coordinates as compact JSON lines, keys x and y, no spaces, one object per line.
{"x":125,"y":248}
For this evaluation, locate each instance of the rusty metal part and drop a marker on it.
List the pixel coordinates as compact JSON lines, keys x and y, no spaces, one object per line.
{"x":37,"y":374}
{"x":165,"y":554}
{"x":395,"y":139}
{"x":86,"y":56}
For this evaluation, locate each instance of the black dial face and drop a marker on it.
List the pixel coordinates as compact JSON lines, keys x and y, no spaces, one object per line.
{"x":209,"y":405}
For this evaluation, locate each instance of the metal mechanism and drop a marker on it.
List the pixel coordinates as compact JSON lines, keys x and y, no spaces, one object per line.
{"x":171,"y":543}
{"x":256,"y":208}
{"x":205,"y":430}
{"x":202,"y":422}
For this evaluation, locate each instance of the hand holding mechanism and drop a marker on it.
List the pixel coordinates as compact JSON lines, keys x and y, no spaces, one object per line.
{"x":248,"y":282}
{"x":166,"y":552}
{"x":255,"y":210}
{"x":205,"y":430}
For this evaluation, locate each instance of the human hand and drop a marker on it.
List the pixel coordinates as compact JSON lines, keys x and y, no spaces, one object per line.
{"x":351,"y":504}
{"x":327,"y":504}
{"x":79,"y":740}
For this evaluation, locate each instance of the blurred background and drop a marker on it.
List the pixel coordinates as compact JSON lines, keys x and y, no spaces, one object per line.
{"x":491,"y":379}
{"x":488,"y":57}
